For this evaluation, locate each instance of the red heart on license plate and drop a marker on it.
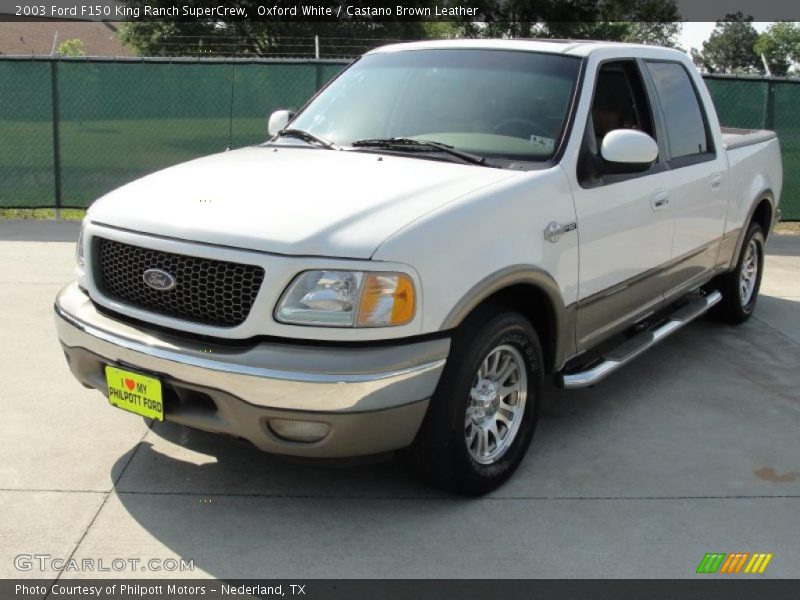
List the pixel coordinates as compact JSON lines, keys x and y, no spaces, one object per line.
{"x":129,"y":383}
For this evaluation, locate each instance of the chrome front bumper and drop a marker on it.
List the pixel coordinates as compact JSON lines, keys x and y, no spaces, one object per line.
{"x":372,"y":397}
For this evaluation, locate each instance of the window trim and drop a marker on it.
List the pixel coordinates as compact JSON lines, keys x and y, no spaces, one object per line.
{"x":570,"y":117}
{"x":690,"y":159}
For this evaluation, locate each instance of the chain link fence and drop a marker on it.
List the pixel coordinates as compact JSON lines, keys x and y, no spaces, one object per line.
{"x":74,"y":129}
{"x":765,"y":103}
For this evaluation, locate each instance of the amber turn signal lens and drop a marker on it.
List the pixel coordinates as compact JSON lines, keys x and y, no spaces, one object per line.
{"x":386,"y":299}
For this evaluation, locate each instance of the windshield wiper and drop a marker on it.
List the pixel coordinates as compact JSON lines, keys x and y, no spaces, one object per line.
{"x":306,"y":136}
{"x":401,"y":143}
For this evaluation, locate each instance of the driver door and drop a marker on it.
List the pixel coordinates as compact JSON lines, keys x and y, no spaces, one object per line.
{"x":624,"y":220}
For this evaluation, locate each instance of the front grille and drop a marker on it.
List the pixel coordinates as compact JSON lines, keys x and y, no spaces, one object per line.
{"x":211,"y":292}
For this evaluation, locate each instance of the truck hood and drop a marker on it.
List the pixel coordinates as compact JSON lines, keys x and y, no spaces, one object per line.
{"x":289,"y":200}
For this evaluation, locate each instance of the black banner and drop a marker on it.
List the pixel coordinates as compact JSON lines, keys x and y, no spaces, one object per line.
{"x":397,"y":10}
{"x":702,"y":588}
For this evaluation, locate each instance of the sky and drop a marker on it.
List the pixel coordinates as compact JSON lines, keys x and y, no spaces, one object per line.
{"x":694,"y":33}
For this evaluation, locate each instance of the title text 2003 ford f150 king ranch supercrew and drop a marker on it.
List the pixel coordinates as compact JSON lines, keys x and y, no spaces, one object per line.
{"x":409,"y":256}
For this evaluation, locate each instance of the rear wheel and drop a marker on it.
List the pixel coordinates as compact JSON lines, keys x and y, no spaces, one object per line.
{"x":740,"y":287}
{"x":481,"y":418}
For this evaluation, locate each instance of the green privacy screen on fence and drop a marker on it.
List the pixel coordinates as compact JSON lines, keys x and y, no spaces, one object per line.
{"x":26,"y":134}
{"x":768,"y":104}
{"x":117,"y":120}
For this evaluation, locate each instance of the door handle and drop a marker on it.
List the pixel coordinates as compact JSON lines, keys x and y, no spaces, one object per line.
{"x":659,"y":199}
{"x":715,"y":181}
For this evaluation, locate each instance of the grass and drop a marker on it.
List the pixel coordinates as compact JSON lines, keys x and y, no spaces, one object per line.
{"x":68,"y":214}
{"x":77,"y":214}
{"x":788,"y":228}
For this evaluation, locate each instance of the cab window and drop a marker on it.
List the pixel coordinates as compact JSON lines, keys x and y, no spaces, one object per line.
{"x":619,"y":102}
{"x":687,"y":130}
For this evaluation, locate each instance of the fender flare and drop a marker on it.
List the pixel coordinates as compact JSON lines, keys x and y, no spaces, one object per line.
{"x":761,"y":196}
{"x":522,"y":274}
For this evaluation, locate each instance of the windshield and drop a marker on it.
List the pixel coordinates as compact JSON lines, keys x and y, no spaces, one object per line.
{"x":502,"y":104}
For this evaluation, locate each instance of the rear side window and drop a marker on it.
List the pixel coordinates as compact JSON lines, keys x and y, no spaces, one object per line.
{"x":686,"y":128}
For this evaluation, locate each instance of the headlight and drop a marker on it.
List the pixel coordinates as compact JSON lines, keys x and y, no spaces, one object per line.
{"x":348,"y":299}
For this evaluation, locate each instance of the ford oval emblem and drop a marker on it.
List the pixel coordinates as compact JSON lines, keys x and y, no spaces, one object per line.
{"x":159,"y":280}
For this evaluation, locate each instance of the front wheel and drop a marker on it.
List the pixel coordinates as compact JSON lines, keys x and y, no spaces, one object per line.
{"x":481,"y":418}
{"x":740,"y":287}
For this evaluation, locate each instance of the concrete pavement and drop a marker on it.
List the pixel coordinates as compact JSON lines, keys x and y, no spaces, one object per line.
{"x":693,"y":448}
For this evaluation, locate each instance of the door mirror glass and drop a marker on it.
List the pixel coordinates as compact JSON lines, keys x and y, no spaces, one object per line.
{"x":629,"y":150}
{"x":277,"y":121}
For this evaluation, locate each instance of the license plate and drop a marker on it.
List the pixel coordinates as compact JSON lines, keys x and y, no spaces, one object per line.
{"x":135,"y":393}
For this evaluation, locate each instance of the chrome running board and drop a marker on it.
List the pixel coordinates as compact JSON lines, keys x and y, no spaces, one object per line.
{"x":617,"y":357}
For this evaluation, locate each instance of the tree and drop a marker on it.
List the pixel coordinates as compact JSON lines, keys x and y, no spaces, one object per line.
{"x":699,"y":60}
{"x":729,"y":49}
{"x":441,"y":30}
{"x":289,"y":37}
{"x":658,"y":34}
{"x":645,"y":21}
{"x":780,"y":44}
{"x":640,"y":21}
{"x":73,"y":47}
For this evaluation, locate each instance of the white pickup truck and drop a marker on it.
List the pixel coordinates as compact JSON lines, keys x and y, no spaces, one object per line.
{"x":409,"y":256}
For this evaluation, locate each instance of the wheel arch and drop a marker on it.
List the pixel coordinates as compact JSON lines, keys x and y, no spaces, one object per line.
{"x":535,"y":294}
{"x":762,"y":212}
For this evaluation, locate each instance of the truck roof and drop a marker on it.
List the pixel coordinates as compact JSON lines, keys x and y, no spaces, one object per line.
{"x":553,"y":46}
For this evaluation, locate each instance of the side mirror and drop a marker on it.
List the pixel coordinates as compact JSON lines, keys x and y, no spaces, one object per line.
{"x":278,"y":121}
{"x":628,"y":150}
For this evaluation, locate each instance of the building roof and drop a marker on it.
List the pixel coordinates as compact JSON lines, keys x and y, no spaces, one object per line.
{"x":26,"y":38}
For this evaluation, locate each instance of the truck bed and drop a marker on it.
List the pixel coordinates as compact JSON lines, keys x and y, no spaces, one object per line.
{"x":736,"y":138}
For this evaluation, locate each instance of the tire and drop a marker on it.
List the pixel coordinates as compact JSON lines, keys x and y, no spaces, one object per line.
{"x":740,"y":292}
{"x":456,"y":448}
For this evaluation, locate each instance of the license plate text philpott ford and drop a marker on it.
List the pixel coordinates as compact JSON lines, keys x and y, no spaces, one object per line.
{"x":135,"y":393}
